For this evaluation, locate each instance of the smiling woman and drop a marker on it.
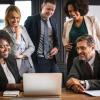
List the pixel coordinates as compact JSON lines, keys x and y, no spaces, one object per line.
{"x":9,"y":75}
{"x":23,"y":46}
{"x":21,"y":5}
{"x":79,"y":24}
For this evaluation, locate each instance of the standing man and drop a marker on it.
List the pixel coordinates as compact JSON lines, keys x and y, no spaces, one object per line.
{"x":43,"y":32}
{"x":85,"y":72}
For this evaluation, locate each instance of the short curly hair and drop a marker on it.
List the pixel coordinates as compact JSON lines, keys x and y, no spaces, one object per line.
{"x":79,"y":5}
{"x":5,"y":36}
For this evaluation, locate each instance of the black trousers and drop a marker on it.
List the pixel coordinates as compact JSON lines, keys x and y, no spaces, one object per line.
{"x":45,"y":65}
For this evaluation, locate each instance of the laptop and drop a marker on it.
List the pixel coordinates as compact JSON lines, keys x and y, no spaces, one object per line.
{"x":42,"y":84}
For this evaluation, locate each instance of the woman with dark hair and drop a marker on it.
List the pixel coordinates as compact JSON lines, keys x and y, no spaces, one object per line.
{"x":77,"y":25}
{"x":9,"y":74}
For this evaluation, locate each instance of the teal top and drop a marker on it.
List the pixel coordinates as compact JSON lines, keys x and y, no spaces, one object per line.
{"x":73,"y":35}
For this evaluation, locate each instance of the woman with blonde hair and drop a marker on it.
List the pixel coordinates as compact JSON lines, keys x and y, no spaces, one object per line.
{"x":23,"y":46}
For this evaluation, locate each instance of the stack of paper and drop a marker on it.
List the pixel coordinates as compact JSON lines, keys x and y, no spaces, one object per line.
{"x":93,"y":92}
{"x":11,"y":93}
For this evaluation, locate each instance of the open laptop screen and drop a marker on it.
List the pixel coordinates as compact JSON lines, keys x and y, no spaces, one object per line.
{"x":42,"y":83}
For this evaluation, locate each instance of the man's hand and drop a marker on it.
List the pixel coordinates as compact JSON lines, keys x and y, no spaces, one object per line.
{"x":75,"y":85}
{"x":72,"y":81}
{"x":53,"y":52}
{"x":78,"y":88}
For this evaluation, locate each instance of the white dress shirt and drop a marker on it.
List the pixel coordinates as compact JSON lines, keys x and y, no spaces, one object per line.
{"x":8,"y":73}
{"x":91,"y":63}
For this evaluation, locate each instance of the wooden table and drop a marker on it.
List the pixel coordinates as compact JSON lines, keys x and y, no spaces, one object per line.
{"x":66,"y":95}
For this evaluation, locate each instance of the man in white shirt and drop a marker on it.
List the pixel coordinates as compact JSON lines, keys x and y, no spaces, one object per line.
{"x":85,"y":72}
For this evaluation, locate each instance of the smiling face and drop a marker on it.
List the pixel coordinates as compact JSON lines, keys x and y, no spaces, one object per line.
{"x":4,"y":48}
{"x":73,"y":13}
{"x":48,"y":10}
{"x":85,"y":51}
{"x":13,"y":19}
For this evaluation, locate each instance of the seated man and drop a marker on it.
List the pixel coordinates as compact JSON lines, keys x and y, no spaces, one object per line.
{"x":9,"y":75}
{"x":85,"y":72}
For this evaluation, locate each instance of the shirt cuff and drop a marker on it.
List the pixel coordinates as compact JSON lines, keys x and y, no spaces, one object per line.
{"x":87,"y":85}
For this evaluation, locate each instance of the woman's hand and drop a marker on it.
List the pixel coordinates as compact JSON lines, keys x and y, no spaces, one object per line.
{"x":19,"y":56}
{"x":18,"y":31}
{"x":68,"y":47}
{"x":16,"y":86}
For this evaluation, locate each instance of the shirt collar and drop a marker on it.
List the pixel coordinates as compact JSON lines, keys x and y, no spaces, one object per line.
{"x":43,"y":18}
{"x":91,"y":61}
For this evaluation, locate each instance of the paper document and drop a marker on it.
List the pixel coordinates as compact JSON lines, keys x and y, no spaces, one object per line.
{"x":11,"y":93}
{"x":93,"y":92}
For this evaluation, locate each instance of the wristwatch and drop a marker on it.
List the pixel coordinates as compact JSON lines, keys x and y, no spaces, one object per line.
{"x":82,"y":82}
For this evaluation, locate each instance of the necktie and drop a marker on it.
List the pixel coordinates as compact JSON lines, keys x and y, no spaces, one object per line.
{"x":89,"y":70}
{"x":46,"y":40}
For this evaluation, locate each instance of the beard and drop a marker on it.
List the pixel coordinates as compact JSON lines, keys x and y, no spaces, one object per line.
{"x":82,"y":57}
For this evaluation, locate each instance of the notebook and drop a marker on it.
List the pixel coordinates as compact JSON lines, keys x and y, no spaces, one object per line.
{"x":11,"y":93}
{"x":42,"y":83}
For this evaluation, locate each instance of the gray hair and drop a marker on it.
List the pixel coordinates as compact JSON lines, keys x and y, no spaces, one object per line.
{"x":88,"y":38}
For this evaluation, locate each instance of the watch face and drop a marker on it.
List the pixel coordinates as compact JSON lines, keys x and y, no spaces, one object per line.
{"x":82,"y":82}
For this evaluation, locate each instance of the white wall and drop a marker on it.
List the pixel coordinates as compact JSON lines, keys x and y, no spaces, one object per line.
{"x":94,"y":11}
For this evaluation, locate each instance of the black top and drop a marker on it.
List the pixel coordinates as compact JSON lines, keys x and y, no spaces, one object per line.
{"x":12,"y":66}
